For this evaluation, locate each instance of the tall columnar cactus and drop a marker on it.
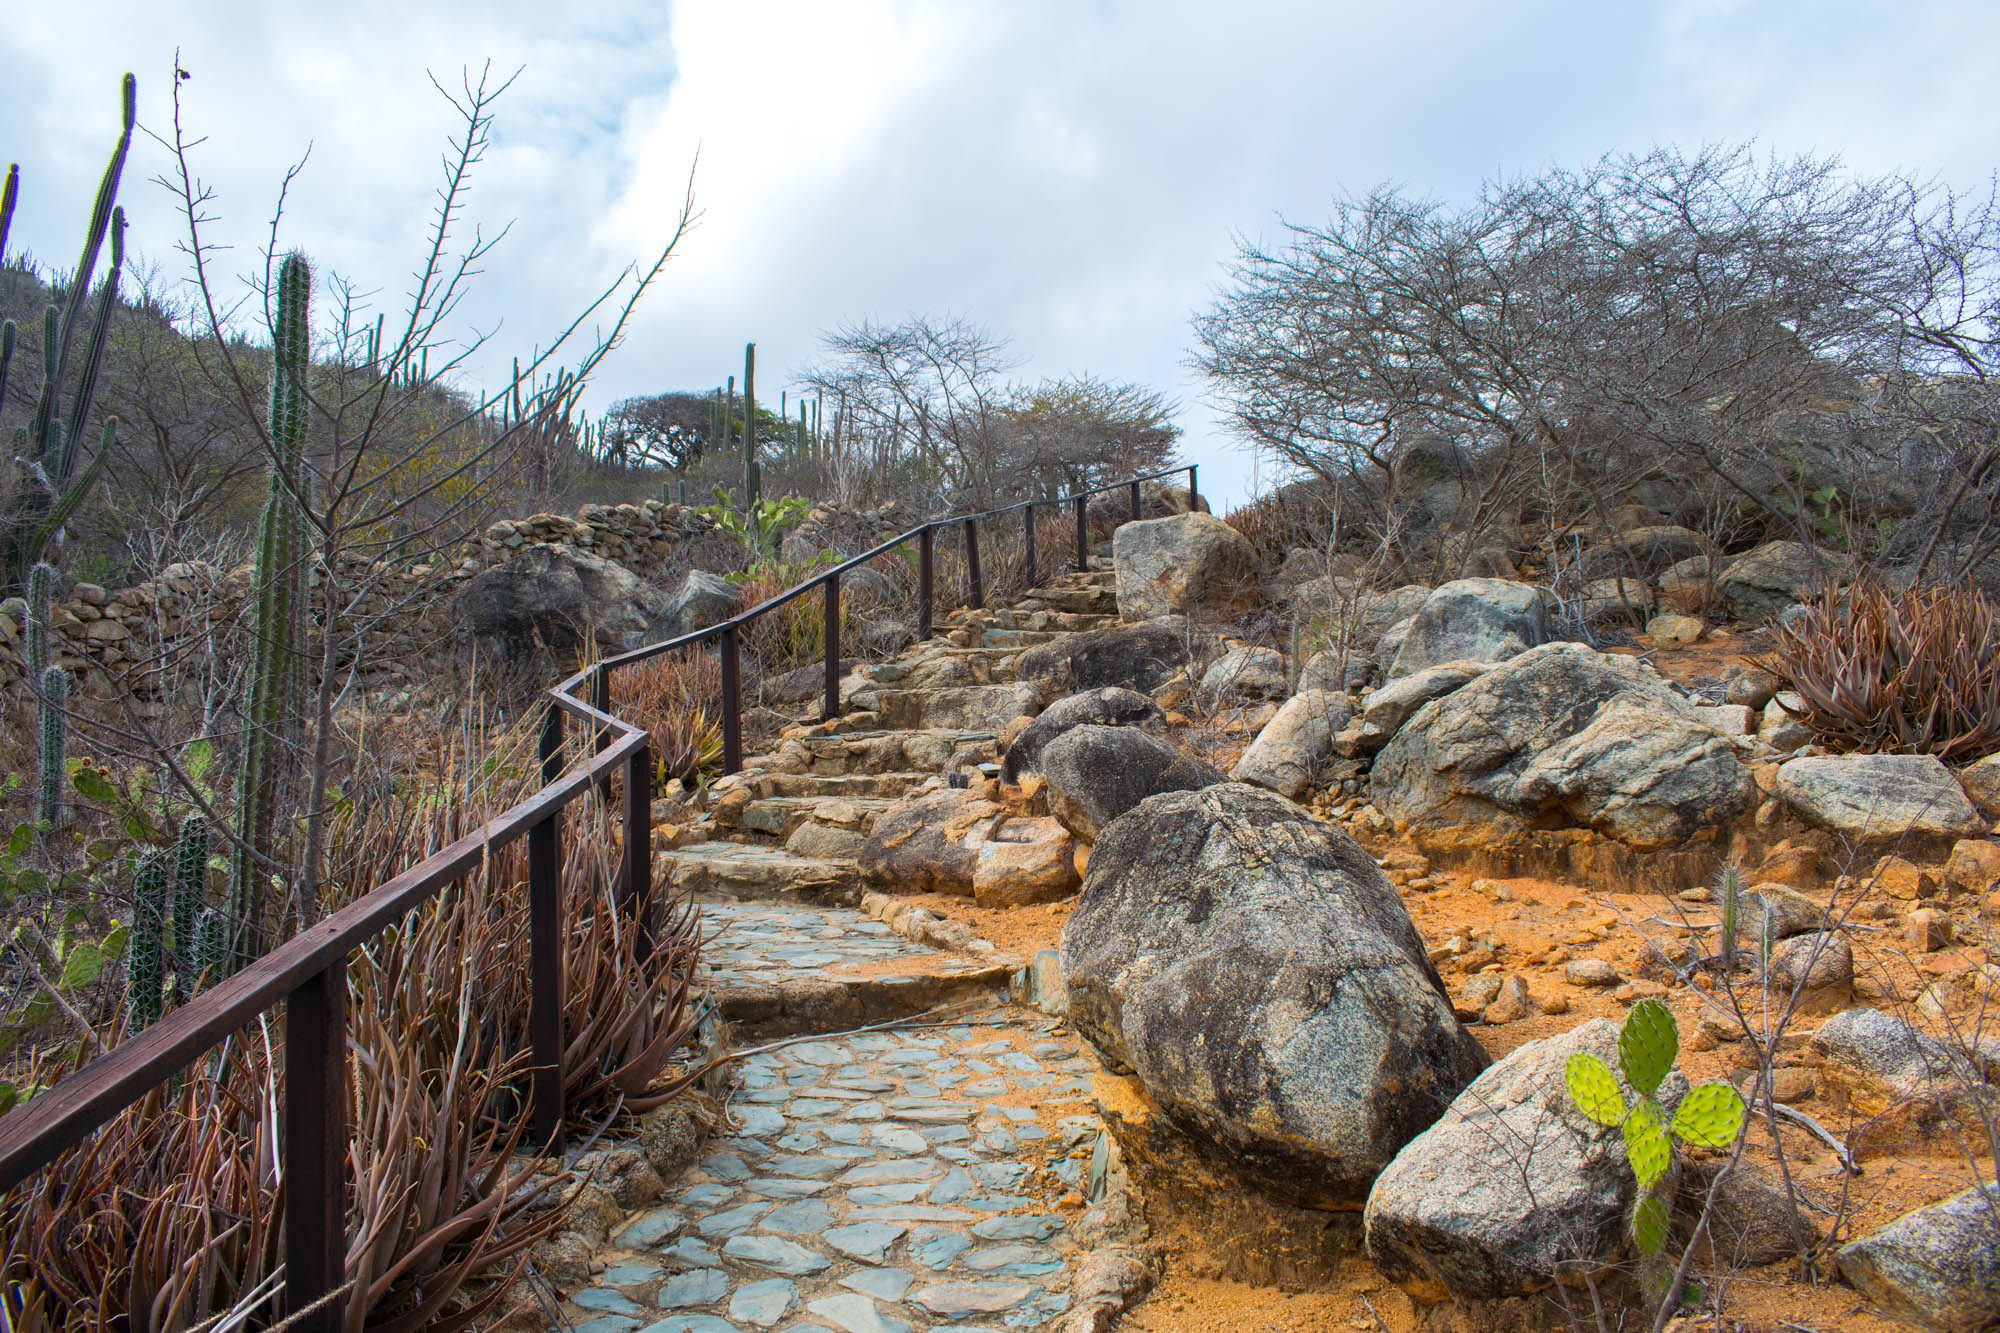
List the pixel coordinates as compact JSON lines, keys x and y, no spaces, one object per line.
{"x":1709,"y":1116}
{"x":211,"y":948}
{"x":54,"y":741}
{"x":752,"y":482}
{"x":1730,"y":887}
{"x":279,"y":607}
{"x":51,"y":489}
{"x":145,"y":957}
{"x":190,"y":872}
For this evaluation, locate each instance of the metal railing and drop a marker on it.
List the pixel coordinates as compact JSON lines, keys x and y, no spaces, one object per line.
{"x":307,"y":974}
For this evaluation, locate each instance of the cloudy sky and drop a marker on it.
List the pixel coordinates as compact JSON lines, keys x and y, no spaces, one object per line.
{"x":1073,"y":175}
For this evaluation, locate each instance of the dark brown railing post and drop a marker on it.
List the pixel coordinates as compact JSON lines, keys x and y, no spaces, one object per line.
{"x":926,"y":540}
{"x":1194,"y":496}
{"x":637,"y":907}
{"x":315,"y":1146}
{"x":1135,"y":502}
{"x":832,"y":709}
{"x":600,"y":699}
{"x":1030,"y":512}
{"x":552,"y":745}
{"x":545,"y":976}
{"x":732,"y":703}
{"x":1082,"y":538}
{"x":976,"y":596}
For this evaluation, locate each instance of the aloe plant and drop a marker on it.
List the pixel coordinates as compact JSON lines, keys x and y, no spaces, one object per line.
{"x":1709,"y":1116}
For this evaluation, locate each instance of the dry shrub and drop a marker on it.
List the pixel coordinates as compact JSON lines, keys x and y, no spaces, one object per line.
{"x":677,"y":698}
{"x":168,"y":1216}
{"x":790,"y":637}
{"x":1300,"y":515}
{"x":1914,"y":672}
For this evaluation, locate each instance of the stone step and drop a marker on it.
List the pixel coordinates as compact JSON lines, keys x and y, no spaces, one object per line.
{"x":790,"y":968}
{"x":967,"y":707}
{"x":1084,"y":599}
{"x":755,"y":872}
{"x":850,"y":785}
{"x":780,"y":816}
{"x":879,"y":751}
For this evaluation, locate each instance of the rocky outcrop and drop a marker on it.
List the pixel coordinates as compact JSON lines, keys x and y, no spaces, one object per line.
{"x":1512,"y":1184}
{"x":1760,"y":583}
{"x":1296,"y":744}
{"x":959,"y":841}
{"x":1135,"y":657}
{"x":1257,"y":972}
{"x":1561,"y":727}
{"x":1645,"y":551}
{"x":1107,"y":511}
{"x":1879,"y":797}
{"x":1107,"y":707}
{"x":1938,"y":1266}
{"x":1187,"y":564}
{"x":1477,"y":620}
{"x":1096,"y":774}
{"x":1245,"y":673}
{"x":561,"y":599}
{"x":1384,"y":711}
{"x":703,"y":599}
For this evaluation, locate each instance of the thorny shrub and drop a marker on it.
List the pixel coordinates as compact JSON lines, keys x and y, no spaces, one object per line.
{"x":1911,"y":672}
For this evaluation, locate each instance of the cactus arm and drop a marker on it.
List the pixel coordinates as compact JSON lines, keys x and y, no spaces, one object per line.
{"x":93,"y":359}
{"x":36,"y":629}
{"x":190,"y":869}
{"x":9,"y":188}
{"x":71,"y":500}
{"x":145,"y":965}
{"x":9,"y":334}
{"x":53,"y":743}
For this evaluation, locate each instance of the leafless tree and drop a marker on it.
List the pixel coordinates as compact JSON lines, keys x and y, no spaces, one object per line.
{"x":1680,"y":328}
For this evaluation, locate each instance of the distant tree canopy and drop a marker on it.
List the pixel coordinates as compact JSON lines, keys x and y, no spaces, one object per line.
{"x":1744,"y":332}
{"x":923,"y":410}
{"x":670,"y":430}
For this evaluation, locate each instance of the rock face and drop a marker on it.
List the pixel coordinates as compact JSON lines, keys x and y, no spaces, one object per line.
{"x":703,"y":599}
{"x":1385,"y":710}
{"x":1938,"y":1266}
{"x":1259,"y":975}
{"x":1098,"y":773}
{"x":1880,"y":1048}
{"x":1183,"y":564}
{"x":956,"y":840}
{"x":1135,"y":657}
{"x":1598,"y":737}
{"x":1294,"y":744}
{"x":1107,"y":707}
{"x":1477,"y":620}
{"x":1761,"y":583}
{"x":1873,"y":797}
{"x":1511,"y":1184}
{"x":558,"y":598}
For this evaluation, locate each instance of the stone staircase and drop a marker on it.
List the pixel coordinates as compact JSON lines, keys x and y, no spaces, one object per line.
{"x":923,"y":1174}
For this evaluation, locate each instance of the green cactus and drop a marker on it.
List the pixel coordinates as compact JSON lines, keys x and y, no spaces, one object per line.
{"x":752,"y":477}
{"x":1709,"y":1116}
{"x":36,"y":632}
{"x":190,"y":870}
{"x":54,"y":741}
{"x":1731,"y":888}
{"x":145,"y":962}
{"x":279,"y":607}
{"x":211,"y":948}
{"x":52,"y":489}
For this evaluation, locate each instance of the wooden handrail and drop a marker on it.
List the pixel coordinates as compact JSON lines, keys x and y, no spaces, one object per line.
{"x":307,"y":973}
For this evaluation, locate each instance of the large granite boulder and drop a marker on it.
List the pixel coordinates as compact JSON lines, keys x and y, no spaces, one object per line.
{"x":1096,"y":774}
{"x":1107,"y":707}
{"x":1760,"y":583}
{"x":1645,"y":551}
{"x":1187,"y":564}
{"x":1512,"y":1184}
{"x":1981,"y":781}
{"x":703,"y":599}
{"x":1938,"y":1267}
{"x":1879,"y":797}
{"x":1135,"y":657}
{"x":1384,"y":711}
{"x":1475,"y":620}
{"x":1561,"y":728}
{"x":1296,"y":744}
{"x":1245,"y":673}
{"x":1258,"y":974}
{"x":560,"y":598}
{"x":1432,"y":482}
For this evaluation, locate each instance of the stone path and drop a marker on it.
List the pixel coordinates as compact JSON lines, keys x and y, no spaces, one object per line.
{"x":880,"y":1182}
{"x":919,"y":1177}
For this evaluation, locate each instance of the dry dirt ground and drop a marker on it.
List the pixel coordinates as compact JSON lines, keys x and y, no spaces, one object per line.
{"x":1531,"y":928}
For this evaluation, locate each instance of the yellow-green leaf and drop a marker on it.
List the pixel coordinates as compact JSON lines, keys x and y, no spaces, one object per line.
{"x":1709,"y":1116}
{"x":82,"y":966}
{"x":1647,"y":1045}
{"x":1649,"y":1223}
{"x":1646,"y":1144}
{"x":1594,"y":1089}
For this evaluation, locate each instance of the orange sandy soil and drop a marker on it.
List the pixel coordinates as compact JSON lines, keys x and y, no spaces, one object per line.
{"x":1546,"y":924}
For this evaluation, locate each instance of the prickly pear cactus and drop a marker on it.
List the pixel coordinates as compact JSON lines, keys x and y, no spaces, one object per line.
{"x":145,"y":962}
{"x":1709,"y":1116}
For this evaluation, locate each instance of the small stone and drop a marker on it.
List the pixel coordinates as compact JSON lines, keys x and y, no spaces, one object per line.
{"x":1554,"y":1004}
{"x":855,"y":1313}
{"x":1590,"y":972}
{"x":702,"y":1286}
{"x":953,"y":1299}
{"x":1927,"y":929}
{"x":1514,"y":1003}
{"x":1902,"y":879}
{"x":866,"y":1241}
{"x":763,"y":1303}
{"x":783,"y":1255}
{"x":884,"y":1284}
{"x":1671,"y":627}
